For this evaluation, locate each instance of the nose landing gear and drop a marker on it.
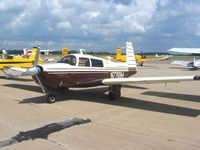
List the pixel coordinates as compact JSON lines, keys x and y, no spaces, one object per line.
{"x":51,"y":98}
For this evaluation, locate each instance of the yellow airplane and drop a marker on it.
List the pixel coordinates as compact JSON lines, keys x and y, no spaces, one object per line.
{"x":9,"y":61}
{"x":139,"y":58}
{"x":64,"y":51}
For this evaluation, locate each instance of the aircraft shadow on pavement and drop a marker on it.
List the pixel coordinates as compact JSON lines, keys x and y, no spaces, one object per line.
{"x":185,"y":97}
{"x":185,"y":69}
{"x":25,"y":87}
{"x":97,"y":96}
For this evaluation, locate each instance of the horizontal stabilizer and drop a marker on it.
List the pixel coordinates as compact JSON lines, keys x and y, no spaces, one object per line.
{"x":148,"y":80}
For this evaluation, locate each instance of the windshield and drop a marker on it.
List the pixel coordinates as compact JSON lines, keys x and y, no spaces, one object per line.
{"x":69,"y":59}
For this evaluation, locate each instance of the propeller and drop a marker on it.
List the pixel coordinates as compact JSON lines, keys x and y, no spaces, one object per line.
{"x":35,"y":70}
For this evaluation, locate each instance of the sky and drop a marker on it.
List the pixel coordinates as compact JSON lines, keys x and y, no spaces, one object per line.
{"x":99,"y":25}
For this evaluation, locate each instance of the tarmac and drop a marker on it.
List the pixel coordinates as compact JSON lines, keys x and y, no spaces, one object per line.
{"x":146,"y":117}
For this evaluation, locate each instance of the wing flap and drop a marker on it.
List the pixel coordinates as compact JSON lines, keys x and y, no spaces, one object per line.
{"x":148,"y":80}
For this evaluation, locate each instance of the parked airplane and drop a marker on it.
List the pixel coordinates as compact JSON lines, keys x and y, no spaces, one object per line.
{"x":16,"y":61}
{"x":194,"y":64}
{"x":79,"y":70}
{"x":139,"y":58}
{"x":164,"y":57}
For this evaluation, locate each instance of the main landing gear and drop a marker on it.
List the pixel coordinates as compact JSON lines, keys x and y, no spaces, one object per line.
{"x":114,"y":92}
{"x":51,"y":98}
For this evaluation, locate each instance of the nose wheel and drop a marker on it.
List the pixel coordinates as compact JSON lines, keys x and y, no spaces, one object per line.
{"x":51,"y":93}
{"x":51,"y":98}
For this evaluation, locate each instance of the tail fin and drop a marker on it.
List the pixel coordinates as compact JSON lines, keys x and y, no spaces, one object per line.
{"x":35,"y":56}
{"x":118,"y":53}
{"x":130,"y":56}
{"x":64,"y":51}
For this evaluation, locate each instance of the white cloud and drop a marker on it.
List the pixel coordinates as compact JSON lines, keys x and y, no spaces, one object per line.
{"x":64,"y":25}
{"x":88,"y":21}
{"x":90,"y":15}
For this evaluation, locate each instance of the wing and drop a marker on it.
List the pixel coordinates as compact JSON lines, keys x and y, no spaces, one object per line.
{"x":151,"y":59}
{"x":185,"y":50}
{"x":148,"y":80}
{"x":182,"y":62}
{"x":22,"y":70}
{"x":16,"y":69}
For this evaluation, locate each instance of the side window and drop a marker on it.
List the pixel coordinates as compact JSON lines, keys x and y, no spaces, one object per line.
{"x":84,"y":62}
{"x":69,"y":59}
{"x":96,"y":63}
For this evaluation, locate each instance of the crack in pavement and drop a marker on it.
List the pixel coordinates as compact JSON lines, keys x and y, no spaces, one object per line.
{"x":43,"y":132}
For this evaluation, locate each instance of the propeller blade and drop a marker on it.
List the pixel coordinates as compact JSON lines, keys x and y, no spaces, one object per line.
{"x":36,"y":57}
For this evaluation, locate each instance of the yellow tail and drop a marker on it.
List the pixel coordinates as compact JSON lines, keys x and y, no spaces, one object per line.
{"x":64,"y":51}
{"x":118,"y":53}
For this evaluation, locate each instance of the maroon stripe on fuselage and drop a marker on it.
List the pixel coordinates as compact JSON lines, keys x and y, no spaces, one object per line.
{"x":75,"y":78}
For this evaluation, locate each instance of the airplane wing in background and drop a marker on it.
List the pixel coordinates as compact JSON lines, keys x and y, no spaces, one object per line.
{"x":185,"y":50}
{"x":148,"y":80}
{"x":17,"y":69}
{"x":23,"y":71}
{"x":151,"y":59}
{"x":182,"y":62}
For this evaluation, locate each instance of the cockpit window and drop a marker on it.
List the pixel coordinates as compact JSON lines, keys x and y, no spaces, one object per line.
{"x":96,"y":63}
{"x":84,"y":62}
{"x":69,"y":59}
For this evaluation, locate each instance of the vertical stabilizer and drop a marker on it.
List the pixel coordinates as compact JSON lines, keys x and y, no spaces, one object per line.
{"x":118,"y":53}
{"x":130,"y":56}
{"x":64,"y":51}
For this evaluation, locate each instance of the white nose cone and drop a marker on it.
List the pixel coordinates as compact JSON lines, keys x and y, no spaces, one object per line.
{"x":33,"y":71}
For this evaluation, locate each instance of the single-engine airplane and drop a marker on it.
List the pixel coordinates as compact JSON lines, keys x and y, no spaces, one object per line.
{"x":140,"y":59}
{"x":79,"y":70}
{"x":193,"y":64}
{"x":10,"y":61}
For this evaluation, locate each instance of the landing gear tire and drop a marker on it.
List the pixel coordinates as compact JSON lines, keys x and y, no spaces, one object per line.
{"x":114,"y":92}
{"x":51,"y":98}
{"x":111,"y":96}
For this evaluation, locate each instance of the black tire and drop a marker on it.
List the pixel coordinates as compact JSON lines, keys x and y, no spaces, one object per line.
{"x":111,"y":96}
{"x":51,"y":98}
{"x":114,"y":92}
